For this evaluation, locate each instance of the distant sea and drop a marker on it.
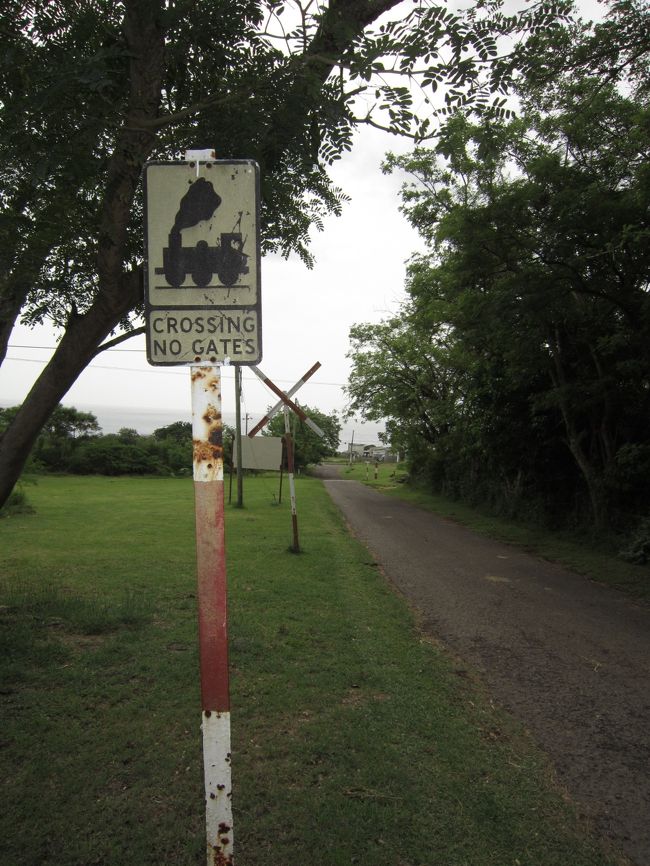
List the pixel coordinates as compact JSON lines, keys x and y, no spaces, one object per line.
{"x":113,"y":418}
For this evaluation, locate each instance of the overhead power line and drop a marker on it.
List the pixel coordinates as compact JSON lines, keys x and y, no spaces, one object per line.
{"x":153,"y":369}
{"x":52,"y":348}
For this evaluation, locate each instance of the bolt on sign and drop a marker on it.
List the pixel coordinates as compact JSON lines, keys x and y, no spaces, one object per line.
{"x":202,"y":271}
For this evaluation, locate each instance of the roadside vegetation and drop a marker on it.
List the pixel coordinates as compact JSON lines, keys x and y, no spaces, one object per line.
{"x":355,"y":740}
{"x":72,"y":442}
{"x":516,"y":375}
{"x":308,"y":446}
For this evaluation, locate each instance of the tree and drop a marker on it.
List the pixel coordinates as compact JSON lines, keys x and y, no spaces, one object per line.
{"x":63,"y":431}
{"x":91,"y":91}
{"x":128,"y":435}
{"x":178,"y":431}
{"x":401,"y":373}
{"x":533,"y":302}
{"x":113,"y":455}
{"x":174,"y":445}
{"x":308,"y":446}
{"x":613,"y":51}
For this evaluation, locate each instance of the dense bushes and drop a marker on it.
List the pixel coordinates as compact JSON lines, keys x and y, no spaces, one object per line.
{"x":107,"y":455}
{"x":72,"y":442}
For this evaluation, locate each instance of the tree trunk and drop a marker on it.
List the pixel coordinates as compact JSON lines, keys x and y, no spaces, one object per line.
{"x":74,"y":352}
{"x":119,"y":291}
{"x":593,"y":479}
{"x":10,"y":307}
{"x":143,"y":30}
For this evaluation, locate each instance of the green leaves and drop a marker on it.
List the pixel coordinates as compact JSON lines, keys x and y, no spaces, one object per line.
{"x":308,"y":446}
{"x":531,"y":307}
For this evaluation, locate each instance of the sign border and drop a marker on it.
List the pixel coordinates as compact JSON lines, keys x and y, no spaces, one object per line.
{"x":150,"y":309}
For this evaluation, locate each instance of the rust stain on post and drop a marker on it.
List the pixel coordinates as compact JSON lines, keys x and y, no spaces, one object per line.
{"x":221,"y":859}
{"x":207,"y":424}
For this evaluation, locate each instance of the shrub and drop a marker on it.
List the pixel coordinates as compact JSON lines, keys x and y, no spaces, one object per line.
{"x":638,"y":547}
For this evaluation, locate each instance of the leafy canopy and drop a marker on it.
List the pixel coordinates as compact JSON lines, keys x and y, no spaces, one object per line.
{"x":518,"y":370}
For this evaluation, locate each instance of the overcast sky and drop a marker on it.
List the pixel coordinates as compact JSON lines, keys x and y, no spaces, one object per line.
{"x":307,"y":315}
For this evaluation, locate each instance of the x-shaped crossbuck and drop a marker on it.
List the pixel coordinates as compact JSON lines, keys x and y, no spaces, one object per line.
{"x":286,"y":401}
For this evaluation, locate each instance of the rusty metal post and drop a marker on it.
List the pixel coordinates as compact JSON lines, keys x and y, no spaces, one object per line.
{"x":207,"y":433}
{"x":292,"y":485}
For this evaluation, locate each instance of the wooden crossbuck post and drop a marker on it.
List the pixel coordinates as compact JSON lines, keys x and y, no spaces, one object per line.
{"x":284,"y":400}
{"x":288,"y":438}
{"x":285,"y":403}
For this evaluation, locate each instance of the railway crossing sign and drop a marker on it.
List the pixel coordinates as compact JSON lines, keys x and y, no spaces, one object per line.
{"x":202,"y":270}
{"x":287,"y":404}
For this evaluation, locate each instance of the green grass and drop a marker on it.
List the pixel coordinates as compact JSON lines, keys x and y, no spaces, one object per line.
{"x":588,"y":556}
{"x":354,"y":739}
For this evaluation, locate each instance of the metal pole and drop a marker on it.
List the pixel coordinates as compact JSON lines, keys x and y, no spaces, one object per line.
{"x":292,"y":486}
{"x":232,"y":460}
{"x":207,"y":432}
{"x":240,"y":462}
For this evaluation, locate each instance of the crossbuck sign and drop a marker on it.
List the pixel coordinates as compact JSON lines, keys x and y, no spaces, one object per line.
{"x":202,"y":294}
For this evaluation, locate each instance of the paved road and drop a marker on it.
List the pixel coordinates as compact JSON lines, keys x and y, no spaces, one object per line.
{"x":568,"y":657}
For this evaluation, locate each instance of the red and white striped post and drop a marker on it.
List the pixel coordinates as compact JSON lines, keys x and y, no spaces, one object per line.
{"x":207,"y":432}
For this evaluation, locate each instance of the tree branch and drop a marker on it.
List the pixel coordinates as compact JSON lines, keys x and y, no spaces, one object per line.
{"x":117,"y":340}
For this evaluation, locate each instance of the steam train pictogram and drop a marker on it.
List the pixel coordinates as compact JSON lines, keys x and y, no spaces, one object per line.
{"x":226,"y":259}
{"x":202,"y":261}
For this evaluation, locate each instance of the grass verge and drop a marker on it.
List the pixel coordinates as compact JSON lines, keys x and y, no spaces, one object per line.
{"x":586,"y":556}
{"x":354,"y":740}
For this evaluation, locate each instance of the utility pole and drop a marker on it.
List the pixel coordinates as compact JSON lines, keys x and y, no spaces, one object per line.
{"x":240,"y":471}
